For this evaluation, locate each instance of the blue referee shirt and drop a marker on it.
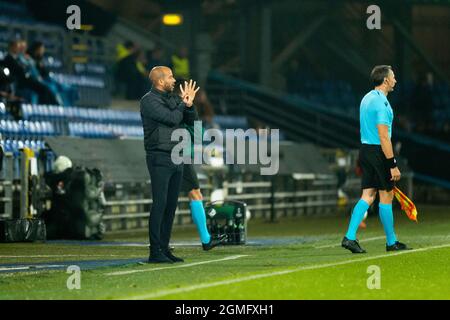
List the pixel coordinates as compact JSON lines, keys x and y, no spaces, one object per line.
{"x":374,"y":109}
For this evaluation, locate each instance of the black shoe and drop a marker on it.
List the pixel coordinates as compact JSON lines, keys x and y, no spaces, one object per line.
{"x":214,"y":242}
{"x":397,"y":246}
{"x":169,"y":255}
{"x":159,"y":258}
{"x":352,"y":245}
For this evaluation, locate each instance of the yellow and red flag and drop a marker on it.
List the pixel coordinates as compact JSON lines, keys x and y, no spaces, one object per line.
{"x":406,"y":204}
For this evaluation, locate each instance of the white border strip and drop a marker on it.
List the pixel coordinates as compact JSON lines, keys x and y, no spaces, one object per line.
{"x":166,"y":292}
{"x":121,"y":273}
{"x":31,"y":267}
{"x":64,"y":255}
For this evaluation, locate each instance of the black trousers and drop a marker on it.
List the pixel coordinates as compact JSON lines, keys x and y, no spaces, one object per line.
{"x":165,"y":179}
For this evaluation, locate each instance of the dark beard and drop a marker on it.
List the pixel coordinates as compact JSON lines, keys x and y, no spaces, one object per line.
{"x":168,"y":89}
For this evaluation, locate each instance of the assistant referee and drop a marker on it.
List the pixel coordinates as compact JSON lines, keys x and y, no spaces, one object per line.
{"x":378,"y":164}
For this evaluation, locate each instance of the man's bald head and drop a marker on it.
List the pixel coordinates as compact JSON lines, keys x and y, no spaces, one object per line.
{"x":158,"y":73}
{"x":162,"y":78}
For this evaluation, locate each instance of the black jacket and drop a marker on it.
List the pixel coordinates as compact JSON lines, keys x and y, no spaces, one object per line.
{"x":17,"y":71}
{"x":161,"y":114}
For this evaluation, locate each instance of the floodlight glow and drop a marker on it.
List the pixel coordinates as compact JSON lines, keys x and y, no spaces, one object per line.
{"x":172,"y":19}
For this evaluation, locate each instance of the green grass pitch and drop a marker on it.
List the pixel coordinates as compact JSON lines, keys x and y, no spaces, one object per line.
{"x":295,"y":258}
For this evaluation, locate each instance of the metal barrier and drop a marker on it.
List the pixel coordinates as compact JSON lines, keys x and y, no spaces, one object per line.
{"x":280,"y":197}
{"x":18,"y":185}
{"x":6,"y":187}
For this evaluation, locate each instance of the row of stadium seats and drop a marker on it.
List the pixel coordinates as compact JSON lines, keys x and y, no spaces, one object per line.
{"x":89,"y":68}
{"x":4,"y":114}
{"x":95,"y":130}
{"x":79,"y":80}
{"x":83,"y":72}
{"x":49,"y":112}
{"x":37,"y":129}
{"x":15,"y":12}
{"x":49,"y":61}
{"x":13,"y":145}
{"x":25,"y":128}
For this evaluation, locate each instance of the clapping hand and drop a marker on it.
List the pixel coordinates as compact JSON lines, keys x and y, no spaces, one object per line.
{"x":188,"y":92}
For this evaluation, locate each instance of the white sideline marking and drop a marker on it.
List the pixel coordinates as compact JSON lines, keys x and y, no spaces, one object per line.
{"x":146,"y":245}
{"x":162,"y":293}
{"x":31,"y":267}
{"x":121,"y":273}
{"x":338,"y":244}
{"x":64,"y":255}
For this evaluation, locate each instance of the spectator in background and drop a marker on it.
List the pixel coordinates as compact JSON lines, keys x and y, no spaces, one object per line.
{"x":204,"y":109}
{"x":65,"y":94}
{"x":155,"y":58}
{"x":36,"y":52}
{"x":7,"y":92}
{"x":422,"y":103}
{"x":131,"y":70}
{"x":293,"y":77}
{"x":124,"y":50}
{"x":31,"y":66}
{"x":25,"y":76}
{"x":180,"y":64}
{"x":141,"y":63}
{"x":11,"y":62}
{"x":142,"y":85}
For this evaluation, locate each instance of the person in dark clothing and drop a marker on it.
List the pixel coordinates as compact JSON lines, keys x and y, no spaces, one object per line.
{"x":64,"y":93}
{"x":8,"y":99}
{"x":23,"y":75}
{"x":36,"y":52}
{"x":423,"y":104}
{"x":154,"y":58}
{"x":10,"y":61}
{"x":7,"y":92}
{"x":162,"y":113}
{"x":128,"y":73}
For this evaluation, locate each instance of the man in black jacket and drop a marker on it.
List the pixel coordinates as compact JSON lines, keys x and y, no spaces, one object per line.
{"x":162,"y":113}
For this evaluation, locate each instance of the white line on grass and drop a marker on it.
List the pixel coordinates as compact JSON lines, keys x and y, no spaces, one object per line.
{"x":64,"y":255}
{"x":162,"y":293}
{"x":31,"y":267}
{"x":121,"y":273}
{"x":338,"y":244}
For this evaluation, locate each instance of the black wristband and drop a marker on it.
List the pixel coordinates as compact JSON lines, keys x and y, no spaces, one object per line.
{"x":392,"y":163}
